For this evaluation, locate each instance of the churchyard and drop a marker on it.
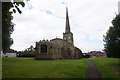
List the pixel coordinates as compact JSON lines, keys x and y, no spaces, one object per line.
{"x":30,"y":68}
{"x":58,"y":57}
{"x":108,"y":67}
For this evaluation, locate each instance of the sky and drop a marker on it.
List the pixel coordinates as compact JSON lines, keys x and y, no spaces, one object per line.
{"x":45,"y":19}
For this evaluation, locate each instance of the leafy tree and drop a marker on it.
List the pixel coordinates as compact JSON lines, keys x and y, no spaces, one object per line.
{"x":31,"y":48}
{"x":112,"y":39}
{"x":7,"y":25}
{"x":29,"y":52}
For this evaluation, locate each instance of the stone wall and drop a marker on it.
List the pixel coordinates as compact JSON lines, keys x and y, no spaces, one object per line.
{"x":56,"y":49}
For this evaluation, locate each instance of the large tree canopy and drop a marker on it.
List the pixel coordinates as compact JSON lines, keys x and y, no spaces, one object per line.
{"x":7,"y":25}
{"x":112,"y":39}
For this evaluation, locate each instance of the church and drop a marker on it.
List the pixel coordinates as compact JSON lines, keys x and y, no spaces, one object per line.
{"x":58,"y":48}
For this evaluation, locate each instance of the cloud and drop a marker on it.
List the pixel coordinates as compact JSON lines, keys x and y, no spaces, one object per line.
{"x":89,"y":21}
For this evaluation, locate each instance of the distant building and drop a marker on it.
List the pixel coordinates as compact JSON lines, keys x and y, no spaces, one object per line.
{"x":97,"y":54}
{"x":86,"y":55}
{"x":58,"y":48}
{"x":10,"y":53}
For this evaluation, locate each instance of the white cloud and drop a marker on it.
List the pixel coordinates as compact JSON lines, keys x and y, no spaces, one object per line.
{"x":46,"y":19}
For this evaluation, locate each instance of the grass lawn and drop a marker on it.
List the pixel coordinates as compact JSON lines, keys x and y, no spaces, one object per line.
{"x":30,"y":68}
{"x":108,"y":67}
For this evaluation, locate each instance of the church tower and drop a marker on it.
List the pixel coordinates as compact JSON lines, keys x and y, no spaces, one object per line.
{"x":68,"y":36}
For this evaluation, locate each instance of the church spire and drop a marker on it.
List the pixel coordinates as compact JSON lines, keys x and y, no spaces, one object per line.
{"x":67,"y":30}
{"x":68,"y":36}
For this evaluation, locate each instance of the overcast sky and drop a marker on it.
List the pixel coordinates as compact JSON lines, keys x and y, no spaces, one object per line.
{"x":89,"y":21}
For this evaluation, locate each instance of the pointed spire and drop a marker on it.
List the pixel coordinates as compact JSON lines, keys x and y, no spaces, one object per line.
{"x":67,"y":22}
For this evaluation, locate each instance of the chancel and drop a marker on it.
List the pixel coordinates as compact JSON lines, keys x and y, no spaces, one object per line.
{"x":58,"y":48}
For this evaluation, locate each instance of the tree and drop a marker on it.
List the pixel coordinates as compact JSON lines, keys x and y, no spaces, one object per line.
{"x":31,"y":48}
{"x":112,"y":39}
{"x":7,"y":25}
{"x":29,"y":52}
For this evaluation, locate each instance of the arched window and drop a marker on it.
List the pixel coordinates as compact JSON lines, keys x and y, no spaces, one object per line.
{"x":43,"y":48}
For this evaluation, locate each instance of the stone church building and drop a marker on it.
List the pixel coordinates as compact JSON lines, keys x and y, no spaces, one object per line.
{"x":58,"y":48}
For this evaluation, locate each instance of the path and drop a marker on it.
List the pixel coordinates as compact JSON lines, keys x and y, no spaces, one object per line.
{"x":92,"y":71}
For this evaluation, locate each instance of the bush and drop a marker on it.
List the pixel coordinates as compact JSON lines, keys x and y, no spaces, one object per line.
{"x":26,"y":54}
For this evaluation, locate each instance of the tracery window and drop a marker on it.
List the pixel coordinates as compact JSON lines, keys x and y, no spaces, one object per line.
{"x":43,"y":48}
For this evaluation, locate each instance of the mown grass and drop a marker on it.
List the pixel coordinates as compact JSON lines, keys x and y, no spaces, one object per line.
{"x":30,"y":68}
{"x":108,"y":67}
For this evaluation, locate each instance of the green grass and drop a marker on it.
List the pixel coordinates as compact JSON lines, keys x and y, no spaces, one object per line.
{"x":30,"y":68}
{"x":107,"y":66}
